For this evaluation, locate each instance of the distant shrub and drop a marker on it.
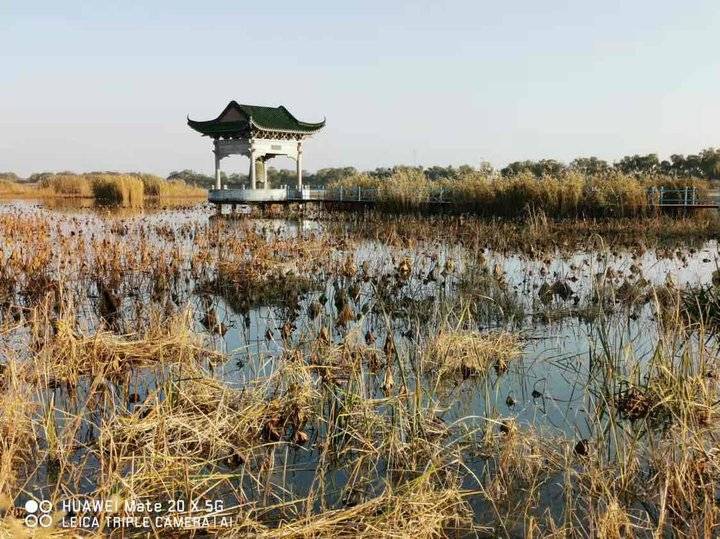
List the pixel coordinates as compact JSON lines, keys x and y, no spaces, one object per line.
{"x":154,"y":185}
{"x":407,"y":189}
{"x":161,"y":188}
{"x":123,"y":190}
{"x":356,"y":180}
{"x":67,"y":184}
{"x":9,"y":177}
{"x":9,"y":187}
{"x":111,"y":187}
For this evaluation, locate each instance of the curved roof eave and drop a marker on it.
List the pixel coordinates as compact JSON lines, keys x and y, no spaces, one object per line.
{"x":311,"y":128}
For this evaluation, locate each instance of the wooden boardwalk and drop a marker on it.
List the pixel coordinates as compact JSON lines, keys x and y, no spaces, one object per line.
{"x":687,"y":198}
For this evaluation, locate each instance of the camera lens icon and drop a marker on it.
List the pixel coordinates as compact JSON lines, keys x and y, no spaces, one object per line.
{"x":31,"y":506}
{"x":33,"y":519}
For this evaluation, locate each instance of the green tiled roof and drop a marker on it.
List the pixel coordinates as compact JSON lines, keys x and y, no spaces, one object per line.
{"x":237,"y":120}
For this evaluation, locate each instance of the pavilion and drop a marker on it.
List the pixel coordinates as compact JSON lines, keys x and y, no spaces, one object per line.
{"x":259,"y":133}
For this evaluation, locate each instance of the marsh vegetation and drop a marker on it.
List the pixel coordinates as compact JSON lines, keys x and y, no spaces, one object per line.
{"x":568,"y":194}
{"x":128,"y":190}
{"x":363,"y":376}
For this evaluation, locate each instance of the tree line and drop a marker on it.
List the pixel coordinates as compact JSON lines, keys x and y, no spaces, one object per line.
{"x":705,"y":164}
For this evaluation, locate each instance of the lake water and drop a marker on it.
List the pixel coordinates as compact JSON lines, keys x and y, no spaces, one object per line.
{"x":602,"y":304}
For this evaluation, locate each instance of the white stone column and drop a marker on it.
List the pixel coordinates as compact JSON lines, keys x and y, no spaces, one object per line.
{"x":264,"y":174}
{"x":252,"y":168}
{"x":217,"y":167}
{"x":299,"y":166}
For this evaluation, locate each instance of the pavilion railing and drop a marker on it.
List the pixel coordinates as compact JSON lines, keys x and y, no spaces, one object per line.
{"x":355,"y":194}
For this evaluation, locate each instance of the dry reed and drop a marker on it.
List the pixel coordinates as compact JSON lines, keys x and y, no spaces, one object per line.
{"x":70,"y":354}
{"x":468,"y":353}
{"x":570,"y":195}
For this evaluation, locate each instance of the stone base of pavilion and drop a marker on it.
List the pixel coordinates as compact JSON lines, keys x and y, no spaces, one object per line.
{"x":244,"y":196}
{"x":290,"y":194}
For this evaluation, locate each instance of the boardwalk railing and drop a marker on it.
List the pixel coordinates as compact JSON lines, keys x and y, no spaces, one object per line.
{"x":356,"y":194}
{"x":659,"y":197}
{"x":685,"y":197}
{"x":340,"y":194}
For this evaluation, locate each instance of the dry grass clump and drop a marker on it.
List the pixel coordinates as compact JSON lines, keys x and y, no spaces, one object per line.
{"x":684,"y":487}
{"x":364,"y":181}
{"x":162,"y":188}
{"x":684,"y":397}
{"x":469,"y":353}
{"x":617,"y":194}
{"x":614,"y":522}
{"x":67,"y":184}
{"x":337,"y":362}
{"x":675,"y":385}
{"x":13,"y":188}
{"x":515,"y":195}
{"x":408,"y":189}
{"x":196,"y":435}
{"x":701,"y":304}
{"x":122,"y":190}
{"x":196,"y":417}
{"x":17,"y":437}
{"x":416,"y":509}
{"x":518,"y":463}
{"x":70,"y":353}
{"x":127,"y":190}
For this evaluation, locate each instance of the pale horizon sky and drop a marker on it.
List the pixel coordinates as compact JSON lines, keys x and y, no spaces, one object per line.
{"x":108,"y":85}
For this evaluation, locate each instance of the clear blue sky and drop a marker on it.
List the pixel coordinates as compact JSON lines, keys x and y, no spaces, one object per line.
{"x":107,"y":85}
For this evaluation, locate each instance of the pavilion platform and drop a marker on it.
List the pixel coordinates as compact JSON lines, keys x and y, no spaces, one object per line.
{"x":286,"y":195}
